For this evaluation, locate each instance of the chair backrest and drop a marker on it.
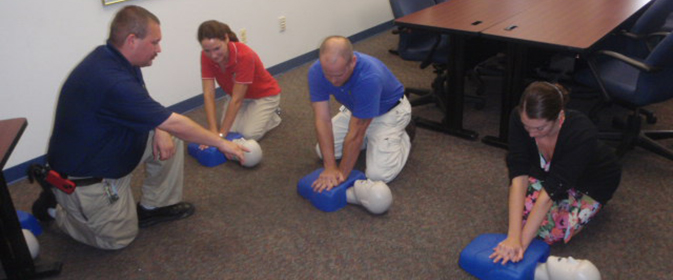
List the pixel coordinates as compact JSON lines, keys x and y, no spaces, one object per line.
{"x":668,"y":24}
{"x":657,"y":86}
{"x":414,"y":44}
{"x":404,"y":7}
{"x":653,"y":19}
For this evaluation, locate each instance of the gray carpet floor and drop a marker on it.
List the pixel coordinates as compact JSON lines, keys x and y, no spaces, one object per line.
{"x":252,"y":224}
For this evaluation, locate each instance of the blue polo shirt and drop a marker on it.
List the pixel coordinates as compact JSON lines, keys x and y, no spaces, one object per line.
{"x":103,"y":118}
{"x":371,"y":91}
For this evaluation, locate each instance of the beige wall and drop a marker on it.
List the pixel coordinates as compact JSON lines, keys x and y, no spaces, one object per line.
{"x":43,"y":40}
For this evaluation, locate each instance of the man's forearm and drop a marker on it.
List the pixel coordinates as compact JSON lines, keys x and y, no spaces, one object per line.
{"x":351,"y":152}
{"x":187,"y":130}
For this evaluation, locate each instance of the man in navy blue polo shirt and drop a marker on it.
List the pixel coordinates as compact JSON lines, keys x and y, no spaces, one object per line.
{"x":106,"y":124}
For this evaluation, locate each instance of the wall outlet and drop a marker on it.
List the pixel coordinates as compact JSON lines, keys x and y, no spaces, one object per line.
{"x":282,"y":23}
{"x":243,"y":33}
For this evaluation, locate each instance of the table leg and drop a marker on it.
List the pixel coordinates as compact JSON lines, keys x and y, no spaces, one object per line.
{"x":454,"y":90}
{"x":516,"y":61}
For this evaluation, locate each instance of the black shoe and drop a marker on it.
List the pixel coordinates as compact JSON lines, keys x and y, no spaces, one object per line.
{"x":411,"y":130}
{"x":42,"y":204}
{"x":157,"y":215}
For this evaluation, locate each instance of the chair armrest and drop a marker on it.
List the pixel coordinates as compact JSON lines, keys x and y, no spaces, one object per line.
{"x":658,"y":34}
{"x":630,"y":61}
{"x":631,"y":35}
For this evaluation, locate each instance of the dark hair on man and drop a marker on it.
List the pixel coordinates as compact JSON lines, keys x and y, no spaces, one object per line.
{"x":543,"y":100}
{"x":213,"y":29}
{"x":130,"y":20}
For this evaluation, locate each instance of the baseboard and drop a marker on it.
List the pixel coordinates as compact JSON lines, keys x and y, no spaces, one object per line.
{"x":18,"y":172}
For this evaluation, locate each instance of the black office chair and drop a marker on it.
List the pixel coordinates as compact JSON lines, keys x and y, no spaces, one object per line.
{"x":429,"y":48}
{"x":634,"y":83}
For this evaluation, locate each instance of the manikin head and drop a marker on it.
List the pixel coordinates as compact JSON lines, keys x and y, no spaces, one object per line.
{"x":254,"y":156}
{"x":557,"y":268}
{"x":31,"y":241}
{"x":375,"y":196}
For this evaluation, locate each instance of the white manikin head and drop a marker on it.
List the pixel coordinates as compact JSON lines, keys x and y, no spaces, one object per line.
{"x":557,"y":268}
{"x":33,"y":245}
{"x":375,"y":196}
{"x":254,"y":156}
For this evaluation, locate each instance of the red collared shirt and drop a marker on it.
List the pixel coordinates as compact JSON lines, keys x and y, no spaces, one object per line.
{"x":244,"y":67}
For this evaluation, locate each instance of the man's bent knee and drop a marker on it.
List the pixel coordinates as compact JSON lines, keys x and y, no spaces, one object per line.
{"x":381,"y":175}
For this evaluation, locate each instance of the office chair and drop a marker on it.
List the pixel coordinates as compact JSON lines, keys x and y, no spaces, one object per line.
{"x":668,"y":24}
{"x":429,"y":48}
{"x":637,"y":41}
{"x":633,"y":83}
{"x":645,"y":32}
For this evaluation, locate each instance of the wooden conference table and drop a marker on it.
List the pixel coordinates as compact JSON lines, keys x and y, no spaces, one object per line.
{"x":564,"y":25}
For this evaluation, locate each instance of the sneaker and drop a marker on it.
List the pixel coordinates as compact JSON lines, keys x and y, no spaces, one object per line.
{"x":41,"y":206}
{"x":147,"y":218}
{"x":411,"y":130}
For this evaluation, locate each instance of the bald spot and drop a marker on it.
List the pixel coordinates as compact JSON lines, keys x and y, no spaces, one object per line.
{"x":334,"y":48}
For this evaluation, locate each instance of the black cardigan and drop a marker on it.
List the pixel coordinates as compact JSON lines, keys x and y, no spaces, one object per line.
{"x":580,"y":160}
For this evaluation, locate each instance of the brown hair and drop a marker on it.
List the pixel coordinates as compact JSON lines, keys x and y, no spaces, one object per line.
{"x":543,"y":100}
{"x":130,"y":20}
{"x":213,"y":29}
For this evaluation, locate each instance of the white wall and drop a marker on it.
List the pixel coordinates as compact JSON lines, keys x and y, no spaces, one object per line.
{"x":42,"y":41}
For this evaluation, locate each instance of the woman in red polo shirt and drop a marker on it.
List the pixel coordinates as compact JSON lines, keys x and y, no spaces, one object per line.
{"x":251,"y":104}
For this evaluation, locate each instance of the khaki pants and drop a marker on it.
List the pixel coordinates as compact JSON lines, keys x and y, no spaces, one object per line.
{"x":255,"y":117}
{"x":90,"y":217}
{"x":386,"y":141}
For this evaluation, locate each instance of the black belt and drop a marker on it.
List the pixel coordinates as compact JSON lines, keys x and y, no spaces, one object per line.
{"x":398,"y":103}
{"x":86,"y":181}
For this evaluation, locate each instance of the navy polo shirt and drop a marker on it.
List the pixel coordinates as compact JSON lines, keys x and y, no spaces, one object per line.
{"x":103,"y":118}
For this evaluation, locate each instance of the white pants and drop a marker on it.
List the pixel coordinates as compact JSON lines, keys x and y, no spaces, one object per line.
{"x":88,"y":215}
{"x":255,"y":117}
{"x":386,"y":141}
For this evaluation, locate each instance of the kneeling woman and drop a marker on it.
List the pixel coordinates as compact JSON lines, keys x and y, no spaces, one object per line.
{"x":251,"y":104}
{"x":561,"y":174}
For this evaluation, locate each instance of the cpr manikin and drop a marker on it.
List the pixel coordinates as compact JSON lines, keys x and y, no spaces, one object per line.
{"x":31,"y":241}
{"x":254,"y":156}
{"x":375,"y":196}
{"x":557,"y":268}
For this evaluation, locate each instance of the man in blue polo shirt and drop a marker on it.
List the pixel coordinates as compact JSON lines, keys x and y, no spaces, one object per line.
{"x":106,"y":124}
{"x":374,"y":114}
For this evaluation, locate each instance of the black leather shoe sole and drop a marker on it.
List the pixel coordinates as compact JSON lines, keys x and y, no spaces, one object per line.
{"x":147,"y":218}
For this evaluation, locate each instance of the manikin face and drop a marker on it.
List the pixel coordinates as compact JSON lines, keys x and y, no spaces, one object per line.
{"x":373,"y":195}
{"x":143,"y":51}
{"x":539,"y":128}
{"x":216,"y":49}
{"x":570,"y":268}
{"x":338,"y":71}
{"x":254,"y":154}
